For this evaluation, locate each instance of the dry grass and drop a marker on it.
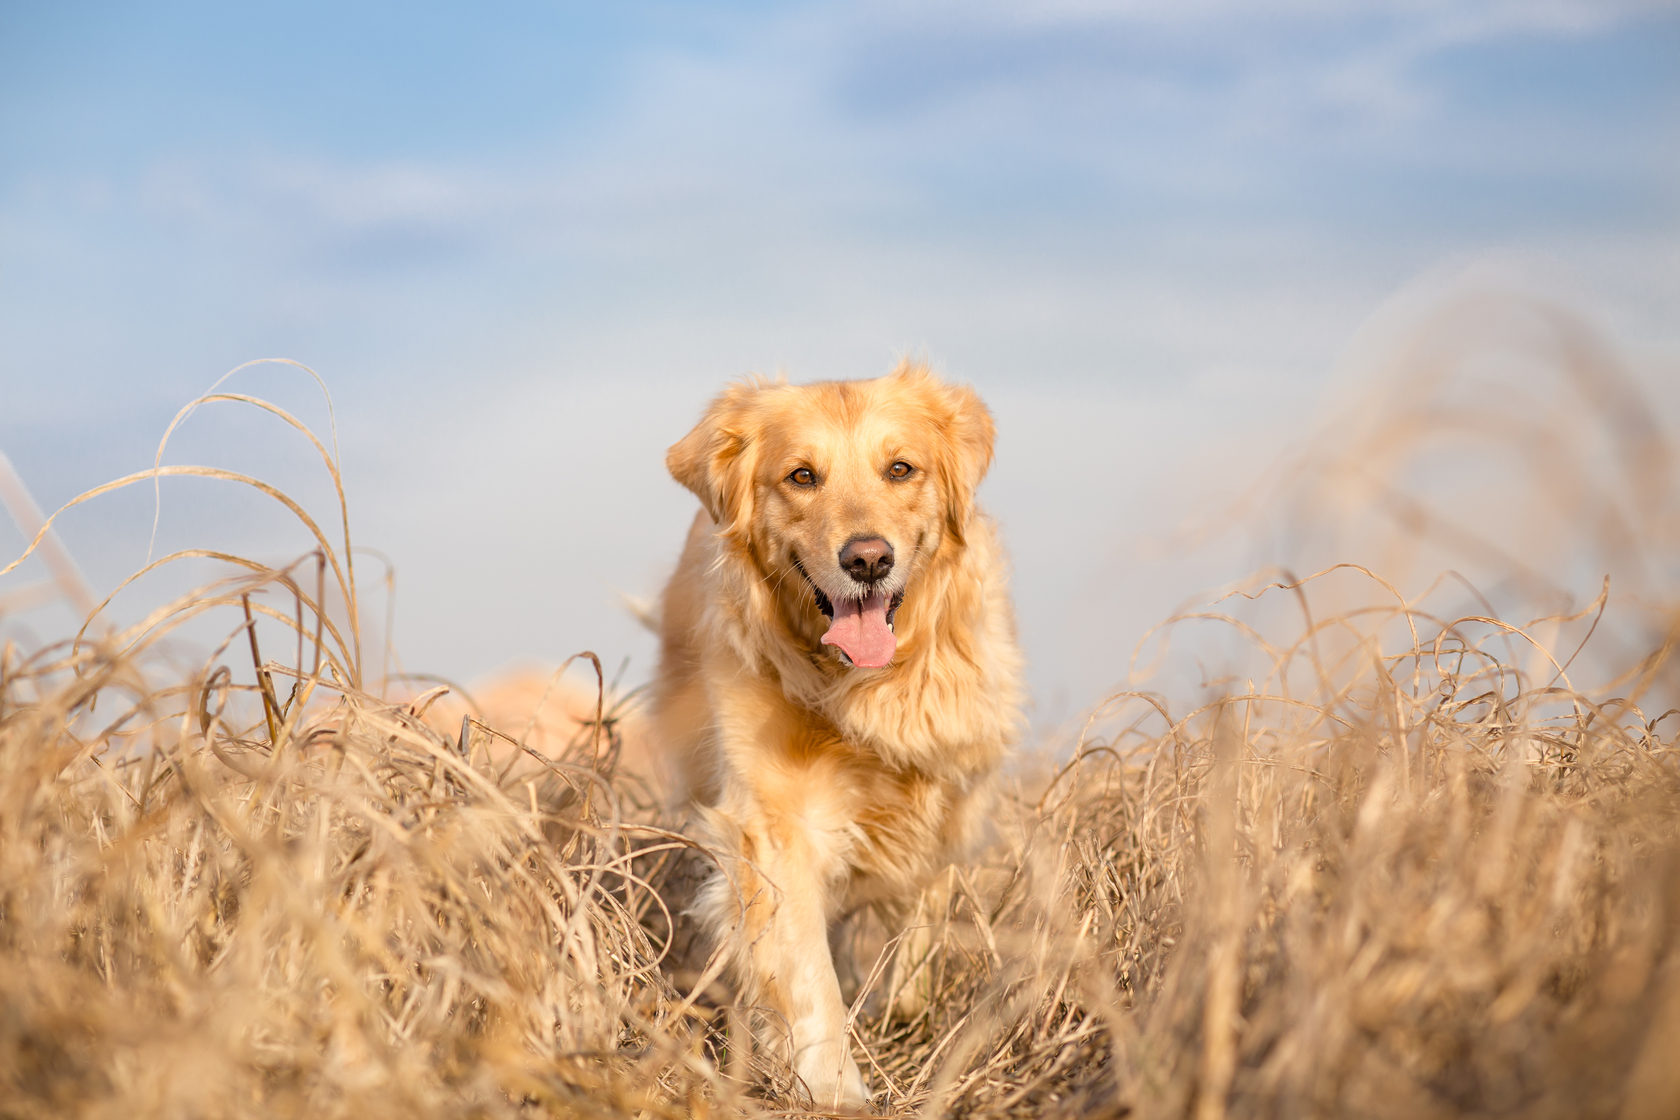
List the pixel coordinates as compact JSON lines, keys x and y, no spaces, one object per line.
{"x":1394,"y":865}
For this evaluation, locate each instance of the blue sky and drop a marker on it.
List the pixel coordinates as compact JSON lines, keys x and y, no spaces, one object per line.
{"x":524,"y":243}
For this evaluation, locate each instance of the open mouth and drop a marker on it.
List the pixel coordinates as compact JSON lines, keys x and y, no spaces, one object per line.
{"x":861,"y":628}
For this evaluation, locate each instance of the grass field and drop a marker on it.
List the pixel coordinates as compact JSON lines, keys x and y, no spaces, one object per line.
{"x":1393,"y":862}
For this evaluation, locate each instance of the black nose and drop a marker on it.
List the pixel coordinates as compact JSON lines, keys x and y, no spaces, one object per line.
{"x":867,"y":559}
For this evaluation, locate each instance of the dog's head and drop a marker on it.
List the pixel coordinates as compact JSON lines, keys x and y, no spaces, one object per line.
{"x":846,"y":486}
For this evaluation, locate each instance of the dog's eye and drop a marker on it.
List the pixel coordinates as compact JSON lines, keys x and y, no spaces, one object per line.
{"x":901,"y":469}
{"x":803,"y":477}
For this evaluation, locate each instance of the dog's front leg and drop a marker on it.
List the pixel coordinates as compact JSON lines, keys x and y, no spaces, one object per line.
{"x":769,"y":910}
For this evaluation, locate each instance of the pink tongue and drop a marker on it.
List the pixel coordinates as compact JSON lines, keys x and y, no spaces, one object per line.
{"x":860,"y":628}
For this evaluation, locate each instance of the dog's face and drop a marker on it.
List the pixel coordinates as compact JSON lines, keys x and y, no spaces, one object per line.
{"x":846,"y":488}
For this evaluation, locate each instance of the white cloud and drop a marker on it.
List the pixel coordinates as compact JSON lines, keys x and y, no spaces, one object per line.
{"x":313,"y":193}
{"x":1562,"y":15}
{"x":1281,"y":62}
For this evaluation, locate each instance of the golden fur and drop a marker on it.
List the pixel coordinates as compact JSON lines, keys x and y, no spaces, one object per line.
{"x":827,"y":786}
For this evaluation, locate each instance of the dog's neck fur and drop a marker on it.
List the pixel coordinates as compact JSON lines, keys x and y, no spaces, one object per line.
{"x":885,"y":710}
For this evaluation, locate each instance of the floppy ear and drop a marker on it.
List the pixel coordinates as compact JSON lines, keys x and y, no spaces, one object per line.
{"x":715,"y":459}
{"x":969,"y":433}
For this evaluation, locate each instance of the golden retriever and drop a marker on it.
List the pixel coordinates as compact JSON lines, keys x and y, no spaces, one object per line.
{"x":838,"y":675}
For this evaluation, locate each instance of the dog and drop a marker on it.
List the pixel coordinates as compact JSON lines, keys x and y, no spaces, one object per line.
{"x":839,"y":677}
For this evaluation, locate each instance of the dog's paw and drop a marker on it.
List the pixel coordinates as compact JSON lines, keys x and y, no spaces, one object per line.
{"x":835,"y":1085}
